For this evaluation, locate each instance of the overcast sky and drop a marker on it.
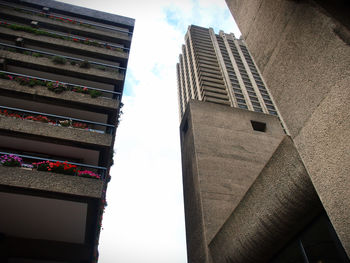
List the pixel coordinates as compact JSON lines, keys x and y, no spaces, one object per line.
{"x":144,"y":219}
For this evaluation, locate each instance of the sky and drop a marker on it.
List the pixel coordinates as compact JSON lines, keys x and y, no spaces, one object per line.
{"x":144,"y":219}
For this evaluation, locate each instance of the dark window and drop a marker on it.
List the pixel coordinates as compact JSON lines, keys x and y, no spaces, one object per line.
{"x":258,"y":126}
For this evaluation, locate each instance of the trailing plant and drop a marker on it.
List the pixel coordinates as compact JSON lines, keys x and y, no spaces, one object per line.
{"x":59,"y":60}
{"x":37,"y":55}
{"x":64,"y":168}
{"x":35,"y":31}
{"x":11,"y":160}
{"x":95,"y":93}
{"x":56,"y":167}
{"x":88,"y":174}
{"x":44,"y":119}
{"x":56,"y":87}
{"x":85,"y":64}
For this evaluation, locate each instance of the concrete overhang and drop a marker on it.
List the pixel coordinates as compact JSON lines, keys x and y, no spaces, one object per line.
{"x":77,"y":47}
{"x":46,"y":64}
{"x":53,"y":182}
{"x":110,"y":35}
{"x":84,"y":11}
{"x":65,"y":97}
{"x":280,"y":202}
{"x":73,"y":135}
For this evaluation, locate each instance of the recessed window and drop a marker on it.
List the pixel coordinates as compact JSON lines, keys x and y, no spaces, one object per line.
{"x":258,"y":126}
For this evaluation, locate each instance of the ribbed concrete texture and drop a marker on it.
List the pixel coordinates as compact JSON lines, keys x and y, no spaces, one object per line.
{"x":303,"y":52}
{"x":221,"y":156}
{"x":280,"y":203}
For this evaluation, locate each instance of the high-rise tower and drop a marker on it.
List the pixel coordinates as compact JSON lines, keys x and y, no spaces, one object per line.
{"x":218,"y":68}
{"x":229,"y":130}
{"x":62,"y":71}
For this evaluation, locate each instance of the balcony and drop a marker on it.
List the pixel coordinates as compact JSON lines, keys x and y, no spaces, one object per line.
{"x":51,"y":62}
{"x":76,"y":131}
{"x":65,"y":43}
{"x":59,"y":23}
{"x":70,"y":203}
{"x":21,"y":85}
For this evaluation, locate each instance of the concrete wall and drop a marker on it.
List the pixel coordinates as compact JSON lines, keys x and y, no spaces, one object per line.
{"x":221,"y":157}
{"x":277,"y":206}
{"x":303,"y":53}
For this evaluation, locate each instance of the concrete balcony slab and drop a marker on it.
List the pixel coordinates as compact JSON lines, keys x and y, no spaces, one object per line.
{"x":36,"y":128}
{"x":68,"y":96}
{"x":53,"y":182}
{"x":46,"y":64}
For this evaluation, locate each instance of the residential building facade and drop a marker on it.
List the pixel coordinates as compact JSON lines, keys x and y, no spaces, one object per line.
{"x":62,"y":72}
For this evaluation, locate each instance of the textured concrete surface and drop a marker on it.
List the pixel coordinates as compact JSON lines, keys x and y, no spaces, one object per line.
{"x":197,"y":251}
{"x":75,"y":70}
{"x":304,"y":56}
{"x":114,"y":34}
{"x":68,"y":96}
{"x":327,"y":156}
{"x":74,"y":185}
{"x":85,"y":11}
{"x":57,"y":132}
{"x":227,"y":155}
{"x":280,"y":203}
{"x":65,"y":43}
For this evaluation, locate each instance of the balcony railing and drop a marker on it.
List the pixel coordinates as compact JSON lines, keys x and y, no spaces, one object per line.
{"x":59,"y":59}
{"x":56,"y":119}
{"x":65,"y":18}
{"x":91,"y":42}
{"x":102,"y":171}
{"x":69,"y":86}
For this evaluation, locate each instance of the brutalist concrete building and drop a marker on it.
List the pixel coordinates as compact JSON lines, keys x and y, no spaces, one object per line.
{"x":62,"y":71}
{"x":248,"y":191}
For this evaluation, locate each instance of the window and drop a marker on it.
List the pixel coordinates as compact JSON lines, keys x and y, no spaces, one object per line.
{"x":258,"y":126}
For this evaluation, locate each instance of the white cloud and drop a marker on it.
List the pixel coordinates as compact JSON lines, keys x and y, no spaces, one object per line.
{"x":144,"y":221}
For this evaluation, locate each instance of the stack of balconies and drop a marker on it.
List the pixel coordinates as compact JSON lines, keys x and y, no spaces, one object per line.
{"x":62,"y":71}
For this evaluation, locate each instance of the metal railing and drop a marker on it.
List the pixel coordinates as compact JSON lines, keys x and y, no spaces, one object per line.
{"x":102,"y":170}
{"x":56,"y":119}
{"x":115,"y":94}
{"x":66,"y":18}
{"x":72,"y":37}
{"x":97,"y":65}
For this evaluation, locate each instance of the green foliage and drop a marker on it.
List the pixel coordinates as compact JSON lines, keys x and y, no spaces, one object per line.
{"x":101,"y":68}
{"x":95,"y":93}
{"x":37,"y":55}
{"x":59,"y":60}
{"x":85,"y":64}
